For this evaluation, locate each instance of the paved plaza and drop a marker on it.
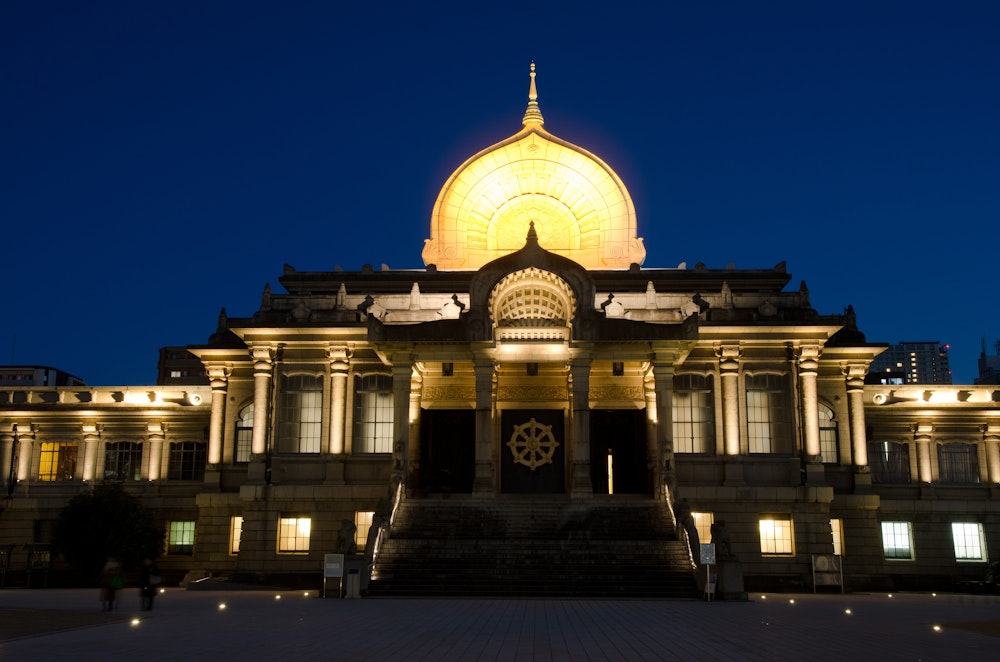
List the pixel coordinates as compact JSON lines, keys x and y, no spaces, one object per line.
{"x":201,"y":625}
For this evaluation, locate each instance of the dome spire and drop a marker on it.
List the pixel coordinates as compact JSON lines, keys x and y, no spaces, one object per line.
{"x":533,"y":115}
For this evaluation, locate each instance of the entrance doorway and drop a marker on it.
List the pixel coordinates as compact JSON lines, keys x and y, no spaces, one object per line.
{"x":447,"y":450}
{"x":618,"y":446}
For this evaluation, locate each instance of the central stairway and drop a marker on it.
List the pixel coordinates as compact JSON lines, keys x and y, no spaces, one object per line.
{"x":540,"y":546}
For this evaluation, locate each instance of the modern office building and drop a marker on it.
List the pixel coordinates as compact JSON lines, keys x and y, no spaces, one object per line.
{"x":911,"y":363}
{"x":534,"y":406}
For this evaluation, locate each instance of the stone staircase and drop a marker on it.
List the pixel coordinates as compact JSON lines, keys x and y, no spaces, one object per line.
{"x":540,"y":546}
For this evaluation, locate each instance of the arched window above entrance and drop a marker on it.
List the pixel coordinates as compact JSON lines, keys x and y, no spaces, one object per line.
{"x":532,"y":304}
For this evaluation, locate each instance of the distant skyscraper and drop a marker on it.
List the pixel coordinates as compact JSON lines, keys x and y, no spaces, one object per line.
{"x":911,"y":363}
{"x":989,"y":365}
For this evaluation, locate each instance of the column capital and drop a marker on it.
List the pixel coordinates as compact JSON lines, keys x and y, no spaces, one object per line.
{"x":922,"y":431}
{"x":91,"y":428}
{"x":218,"y":372}
{"x":991,"y":431}
{"x":808,"y":358}
{"x":156,"y":429}
{"x":854,"y":371}
{"x":338,"y":354}
{"x":729,"y":355}
{"x":263,"y":355}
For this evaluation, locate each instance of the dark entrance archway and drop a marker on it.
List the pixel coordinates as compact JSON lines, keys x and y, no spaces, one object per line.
{"x":622,"y":434}
{"x":447,"y":450}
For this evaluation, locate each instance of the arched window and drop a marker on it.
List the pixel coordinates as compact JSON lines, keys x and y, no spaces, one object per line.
{"x":829,"y":440}
{"x":123,"y":461}
{"x":958,"y":463}
{"x":694,"y":414}
{"x":244,"y":435}
{"x":300,"y":414}
{"x":187,"y":460}
{"x":373,"y":413}
{"x":769,"y":413}
{"x":889,"y":462}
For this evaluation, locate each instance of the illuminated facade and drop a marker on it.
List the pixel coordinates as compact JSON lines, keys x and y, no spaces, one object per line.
{"x":535,"y":365}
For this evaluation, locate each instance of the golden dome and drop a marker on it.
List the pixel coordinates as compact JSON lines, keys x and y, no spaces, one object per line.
{"x":580,"y":207}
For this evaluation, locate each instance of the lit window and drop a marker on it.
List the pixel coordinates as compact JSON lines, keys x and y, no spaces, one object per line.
{"x":244,"y":435}
{"x":889,"y":462}
{"x":837,"y":528}
{"x":235,"y":534}
{"x":187,"y":460}
{"x":769,"y":414}
{"x":175,"y":373}
{"x":958,"y":463}
{"x":897,"y":541}
{"x":703,"y":524}
{"x":300,"y":414}
{"x":180,"y":538}
{"x":970,"y":545}
{"x":362,"y":522}
{"x":123,"y":461}
{"x":776,"y":535}
{"x":828,"y":439}
{"x":57,"y":461}
{"x":293,"y":535}
{"x":694,"y":414}
{"x":373,"y":414}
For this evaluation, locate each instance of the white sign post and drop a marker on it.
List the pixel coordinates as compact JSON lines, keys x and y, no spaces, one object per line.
{"x":333,"y":566}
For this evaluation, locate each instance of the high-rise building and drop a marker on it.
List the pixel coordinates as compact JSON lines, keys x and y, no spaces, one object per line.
{"x":989,"y":365}
{"x":911,"y":363}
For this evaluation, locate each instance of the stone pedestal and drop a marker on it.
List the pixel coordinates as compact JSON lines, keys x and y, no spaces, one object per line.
{"x":730,"y":581}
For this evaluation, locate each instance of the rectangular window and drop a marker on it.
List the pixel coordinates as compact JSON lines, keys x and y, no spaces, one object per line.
{"x":235,"y":534}
{"x":958,"y":464}
{"x":180,"y":537}
{"x":769,"y":414}
{"x":694,"y":414}
{"x":187,"y":460}
{"x":293,"y":534}
{"x":776,"y":537}
{"x":123,"y":461}
{"x":889,"y":462}
{"x":970,"y":545}
{"x":373,"y":414}
{"x":57,"y":461}
{"x":828,"y":439}
{"x":703,"y":523}
{"x":300,"y":414}
{"x":837,"y":528}
{"x":897,"y":541}
{"x":362,"y":522}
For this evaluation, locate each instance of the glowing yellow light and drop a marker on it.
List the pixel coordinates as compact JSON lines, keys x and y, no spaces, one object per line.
{"x":134,"y":622}
{"x":933,"y":595}
{"x":890,"y":595}
{"x":936,"y":628}
{"x":163,"y":590}
{"x":306,"y":594}
{"x":792,"y":601}
{"x":763,"y":597}
{"x":847,"y":611}
{"x":277,"y":597}
{"x":222,"y":606}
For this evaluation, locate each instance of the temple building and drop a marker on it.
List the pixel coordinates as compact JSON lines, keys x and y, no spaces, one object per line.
{"x":533,"y":405}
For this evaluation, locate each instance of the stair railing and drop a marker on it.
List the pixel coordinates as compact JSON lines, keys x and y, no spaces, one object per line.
{"x":381,"y":529}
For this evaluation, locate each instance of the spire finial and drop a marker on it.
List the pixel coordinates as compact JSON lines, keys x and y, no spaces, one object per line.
{"x":533,"y":115}
{"x":532,"y":237}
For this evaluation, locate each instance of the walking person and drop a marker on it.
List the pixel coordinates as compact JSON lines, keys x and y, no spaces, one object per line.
{"x":111,"y":580}
{"x":149,"y":584}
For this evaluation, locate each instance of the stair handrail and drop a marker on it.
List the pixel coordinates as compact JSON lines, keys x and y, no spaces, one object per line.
{"x":382,"y":521}
{"x":683,"y":522}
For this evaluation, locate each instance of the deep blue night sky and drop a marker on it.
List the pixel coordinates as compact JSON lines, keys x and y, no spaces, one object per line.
{"x":161,"y":160}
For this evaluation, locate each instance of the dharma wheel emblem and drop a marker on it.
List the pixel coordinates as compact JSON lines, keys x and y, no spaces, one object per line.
{"x":532,"y":444}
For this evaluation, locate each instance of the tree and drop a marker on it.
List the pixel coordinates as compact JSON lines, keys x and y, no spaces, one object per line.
{"x":107,"y":521}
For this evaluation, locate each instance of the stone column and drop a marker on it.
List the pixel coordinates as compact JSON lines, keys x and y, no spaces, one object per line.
{"x":339,"y":364}
{"x":652,"y":456}
{"x":808,"y":359}
{"x":922,"y":437}
{"x":729,"y":368}
{"x":155,"y":433}
{"x":991,"y":438}
{"x":25,"y":449}
{"x":580,"y":481}
{"x":6,"y":456}
{"x":91,"y":450}
{"x":263,"y":360}
{"x":663,"y":379}
{"x":483,"y":482}
{"x":218,"y":376}
{"x":855,"y":376}
{"x":416,"y":393}
{"x":402,"y":371}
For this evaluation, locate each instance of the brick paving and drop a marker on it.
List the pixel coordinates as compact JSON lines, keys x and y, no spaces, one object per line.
{"x":55,"y":624}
